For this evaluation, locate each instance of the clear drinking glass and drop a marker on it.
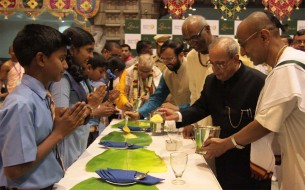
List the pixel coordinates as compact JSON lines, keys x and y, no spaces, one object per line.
{"x":202,"y":133}
{"x":178,"y":162}
{"x":171,"y":130}
{"x":157,"y":128}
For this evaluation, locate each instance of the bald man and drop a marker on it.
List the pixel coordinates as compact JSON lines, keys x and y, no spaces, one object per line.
{"x":197,"y":34}
{"x":281,"y":107}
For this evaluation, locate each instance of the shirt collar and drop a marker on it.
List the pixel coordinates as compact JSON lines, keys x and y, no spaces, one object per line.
{"x":35,"y":85}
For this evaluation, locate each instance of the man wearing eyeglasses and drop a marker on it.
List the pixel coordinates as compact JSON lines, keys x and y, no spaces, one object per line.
{"x":299,"y":40}
{"x":229,"y":96}
{"x":281,"y":107}
{"x":197,"y":34}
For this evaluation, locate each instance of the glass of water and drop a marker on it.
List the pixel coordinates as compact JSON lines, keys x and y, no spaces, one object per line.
{"x":178,"y":161}
{"x":171,"y":130}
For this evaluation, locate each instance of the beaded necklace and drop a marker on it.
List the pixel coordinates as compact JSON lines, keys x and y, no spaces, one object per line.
{"x":141,"y":87}
{"x":204,"y":65}
{"x":279,"y":54}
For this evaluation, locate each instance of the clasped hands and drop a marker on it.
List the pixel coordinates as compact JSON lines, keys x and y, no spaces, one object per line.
{"x":102,"y":109}
{"x":66,"y":120}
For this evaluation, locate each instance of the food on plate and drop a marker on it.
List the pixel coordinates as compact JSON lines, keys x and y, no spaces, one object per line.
{"x":129,"y":136}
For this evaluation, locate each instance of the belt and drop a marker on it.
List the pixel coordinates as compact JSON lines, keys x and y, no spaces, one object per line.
{"x":15,"y":188}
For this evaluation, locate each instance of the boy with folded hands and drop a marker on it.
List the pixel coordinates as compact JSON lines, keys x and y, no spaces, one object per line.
{"x":29,"y":129}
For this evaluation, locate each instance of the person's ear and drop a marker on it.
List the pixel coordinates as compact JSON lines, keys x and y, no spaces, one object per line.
{"x":72,"y":51}
{"x":265,"y":35}
{"x":116,"y":72}
{"x":40,"y":59}
{"x":89,"y":67}
{"x":180,"y":56}
{"x":236,"y":57}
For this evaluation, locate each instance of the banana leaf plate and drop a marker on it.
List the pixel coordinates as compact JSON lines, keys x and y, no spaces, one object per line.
{"x":142,"y":139}
{"x":96,"y":183}
{"x":141,"y":160}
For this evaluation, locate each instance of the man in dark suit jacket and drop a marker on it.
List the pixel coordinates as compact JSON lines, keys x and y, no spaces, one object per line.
{"x":229,"y":96}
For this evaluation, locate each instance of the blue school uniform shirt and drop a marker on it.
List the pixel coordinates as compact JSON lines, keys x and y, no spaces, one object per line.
{"x":25,"y":121}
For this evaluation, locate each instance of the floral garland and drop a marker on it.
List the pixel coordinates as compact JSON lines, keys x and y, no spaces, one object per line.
{"x":138,"y":83}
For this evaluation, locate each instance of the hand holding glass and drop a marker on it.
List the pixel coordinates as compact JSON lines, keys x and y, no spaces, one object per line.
{"x":178,"y":162}
{"x":202,"y":133}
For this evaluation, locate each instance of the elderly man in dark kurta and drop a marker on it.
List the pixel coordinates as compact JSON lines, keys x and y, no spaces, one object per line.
{"x":229,"y":96}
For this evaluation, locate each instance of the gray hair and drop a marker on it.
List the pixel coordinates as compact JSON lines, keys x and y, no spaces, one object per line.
{"x":227,"y":43}
{"x":146,"y":60}
{"x":195,"y":18}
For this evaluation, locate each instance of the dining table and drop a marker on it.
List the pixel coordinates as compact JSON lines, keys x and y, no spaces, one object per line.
{"x":197,"y":174}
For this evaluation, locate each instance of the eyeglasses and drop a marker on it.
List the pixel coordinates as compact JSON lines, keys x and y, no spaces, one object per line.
{"x":218,"y":64}
{"x":167,"y":60}
{"x":242,"y":44}
{"x":196,"y":37}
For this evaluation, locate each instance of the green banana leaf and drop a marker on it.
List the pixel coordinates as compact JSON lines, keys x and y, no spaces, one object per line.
{"x":136,"y":123}
{"x":141,"y":160}
{"x":96,"y":183}
{"x":143,"y":139}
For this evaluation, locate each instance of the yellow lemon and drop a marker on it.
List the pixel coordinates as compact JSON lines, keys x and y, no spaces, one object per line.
{"x":157,"y":118}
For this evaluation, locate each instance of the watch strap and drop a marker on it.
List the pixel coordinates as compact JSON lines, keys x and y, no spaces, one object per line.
{"x":236,"y":145}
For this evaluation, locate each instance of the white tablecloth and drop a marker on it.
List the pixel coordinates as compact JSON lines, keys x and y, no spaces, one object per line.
{"x":197,"y":173}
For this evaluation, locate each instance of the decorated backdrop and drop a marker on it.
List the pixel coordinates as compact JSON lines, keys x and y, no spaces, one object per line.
{"x":58,"y":8}
{"x":146,"y":29}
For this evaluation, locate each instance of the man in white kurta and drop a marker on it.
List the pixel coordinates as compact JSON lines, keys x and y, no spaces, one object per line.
{"x":281,"y":109}
{"x":196,"y":32}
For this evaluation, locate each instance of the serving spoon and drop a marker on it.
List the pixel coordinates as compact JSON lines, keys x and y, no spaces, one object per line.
{"x":126,"y":128}
{"x":140,"y":176}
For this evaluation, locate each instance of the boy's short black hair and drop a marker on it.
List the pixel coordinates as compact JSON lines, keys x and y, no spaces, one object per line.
{"x":116,"y":63}
{"x":98,"y":61}
{"x":34,"y":38}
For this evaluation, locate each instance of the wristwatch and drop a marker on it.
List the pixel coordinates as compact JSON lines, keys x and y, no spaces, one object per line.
{"x":236,"y":145}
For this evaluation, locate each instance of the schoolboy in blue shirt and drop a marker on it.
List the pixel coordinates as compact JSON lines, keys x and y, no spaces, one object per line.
{"x":28,"y":133}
